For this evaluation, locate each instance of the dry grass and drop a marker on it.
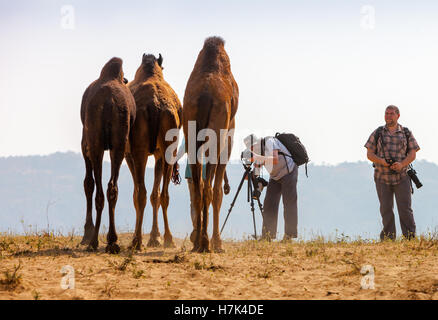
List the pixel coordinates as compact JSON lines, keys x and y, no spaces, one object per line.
{"x":30,"y":269}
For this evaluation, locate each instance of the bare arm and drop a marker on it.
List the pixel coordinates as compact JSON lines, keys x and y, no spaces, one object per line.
{"x":264,"y":160}
{"x":375,"y":159}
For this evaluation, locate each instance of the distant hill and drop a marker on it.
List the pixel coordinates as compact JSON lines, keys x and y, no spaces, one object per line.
{"x":40,"y":192}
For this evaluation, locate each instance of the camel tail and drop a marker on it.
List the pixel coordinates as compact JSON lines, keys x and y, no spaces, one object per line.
{"x":107,"y":114}
{"x":154,"y":126}
{"x":205,"y":104}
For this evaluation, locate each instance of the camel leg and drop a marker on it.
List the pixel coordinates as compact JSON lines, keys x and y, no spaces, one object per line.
{"x":216,"y":242}
{"x":155,"y":201}
{"x":99,"y":200}
{"x":89,"y":189}
{"x":192,"y":209}
{"x":167,"y":171}
{"x":207,"y":196}
{"x":137,"y":165}
{"x":218,"y":192}
{"x":117,"y":156}
{"x":197,"y":203}
{"x":224,"y":148}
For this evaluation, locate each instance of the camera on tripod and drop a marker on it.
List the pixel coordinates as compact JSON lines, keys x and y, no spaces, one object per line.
{"x":246,"y":157}
{"x":255,"y":183}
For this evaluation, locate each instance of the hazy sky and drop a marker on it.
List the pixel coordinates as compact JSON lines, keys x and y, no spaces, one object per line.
{"x":324,"y":70}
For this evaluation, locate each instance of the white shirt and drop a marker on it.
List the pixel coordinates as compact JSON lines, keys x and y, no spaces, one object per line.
{"x":285,"y":163}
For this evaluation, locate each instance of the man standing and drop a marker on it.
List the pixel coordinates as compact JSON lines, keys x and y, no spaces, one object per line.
{"x":391,"y":149}
{"x":283,"y":176}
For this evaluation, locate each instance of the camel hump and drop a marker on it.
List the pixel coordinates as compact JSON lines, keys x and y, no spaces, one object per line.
{"x":112,"y":69}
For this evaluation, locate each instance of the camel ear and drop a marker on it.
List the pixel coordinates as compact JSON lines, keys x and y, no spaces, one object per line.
{"x":144,"y":56}
{"x":160,"y":60}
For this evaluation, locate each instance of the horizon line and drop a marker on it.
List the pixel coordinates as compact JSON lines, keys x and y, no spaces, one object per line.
{"x":231,"y":161}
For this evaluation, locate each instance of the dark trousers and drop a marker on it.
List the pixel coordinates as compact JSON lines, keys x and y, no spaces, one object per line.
{"x":402,"y":192}
{"x":285,"y":187}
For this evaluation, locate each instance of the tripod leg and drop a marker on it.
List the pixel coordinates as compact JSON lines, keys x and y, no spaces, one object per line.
{"x":234,"y":199}
{"x":250,"y":190}
{"x":260,"y":206}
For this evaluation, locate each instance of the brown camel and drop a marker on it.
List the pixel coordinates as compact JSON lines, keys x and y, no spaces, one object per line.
{"x":210,"y":101}
{"x":158,"y":110}
{"x":107,"y":114}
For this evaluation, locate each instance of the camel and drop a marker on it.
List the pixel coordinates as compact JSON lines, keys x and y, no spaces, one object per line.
{"x":107,"y":114}
{"x":158,"y":110}
{"x":210,"y":101}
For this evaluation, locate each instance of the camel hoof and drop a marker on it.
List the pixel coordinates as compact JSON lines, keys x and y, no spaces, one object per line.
{"x":85,"y":241}
{"x":203,"y":249}
{"x":92,"y":248}
{"x":153,"y":243}
{"x":88,"y":236}
{"x":219,"y":250}
{"x":193,"y":236}
{"x":169,"y":244}
{"x":216,"y":244}
{"x":135,"y":245}
{"x":112,"y":248}
{"x":196,"y":248}
{"x":204,"y":245}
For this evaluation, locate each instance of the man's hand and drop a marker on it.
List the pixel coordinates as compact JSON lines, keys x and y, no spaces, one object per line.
{"x":397,"y":166}
{"x":383,"y":163}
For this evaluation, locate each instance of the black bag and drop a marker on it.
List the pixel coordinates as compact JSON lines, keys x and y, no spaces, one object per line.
{"x":295,"y":147}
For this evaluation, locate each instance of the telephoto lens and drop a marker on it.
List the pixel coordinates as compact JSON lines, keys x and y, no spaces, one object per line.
{"x":413,"y":175}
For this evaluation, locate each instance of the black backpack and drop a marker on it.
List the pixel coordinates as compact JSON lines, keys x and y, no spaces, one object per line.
{"x":295,"y":147}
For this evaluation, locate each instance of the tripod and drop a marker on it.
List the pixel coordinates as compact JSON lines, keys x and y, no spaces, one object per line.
{"x":249,"y":175}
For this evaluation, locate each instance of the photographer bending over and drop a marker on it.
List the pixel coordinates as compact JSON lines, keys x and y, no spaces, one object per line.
{"x":392,"y":148}
{"x":283,"y":176}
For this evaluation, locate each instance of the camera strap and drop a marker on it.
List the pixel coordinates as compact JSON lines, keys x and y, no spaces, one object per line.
{"x":378,"y":135}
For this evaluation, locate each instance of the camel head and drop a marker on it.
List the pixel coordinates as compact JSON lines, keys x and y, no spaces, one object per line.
{"x":151,"y":64}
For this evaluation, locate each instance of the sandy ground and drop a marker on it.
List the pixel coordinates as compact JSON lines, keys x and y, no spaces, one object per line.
{"x":30,"y":268}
